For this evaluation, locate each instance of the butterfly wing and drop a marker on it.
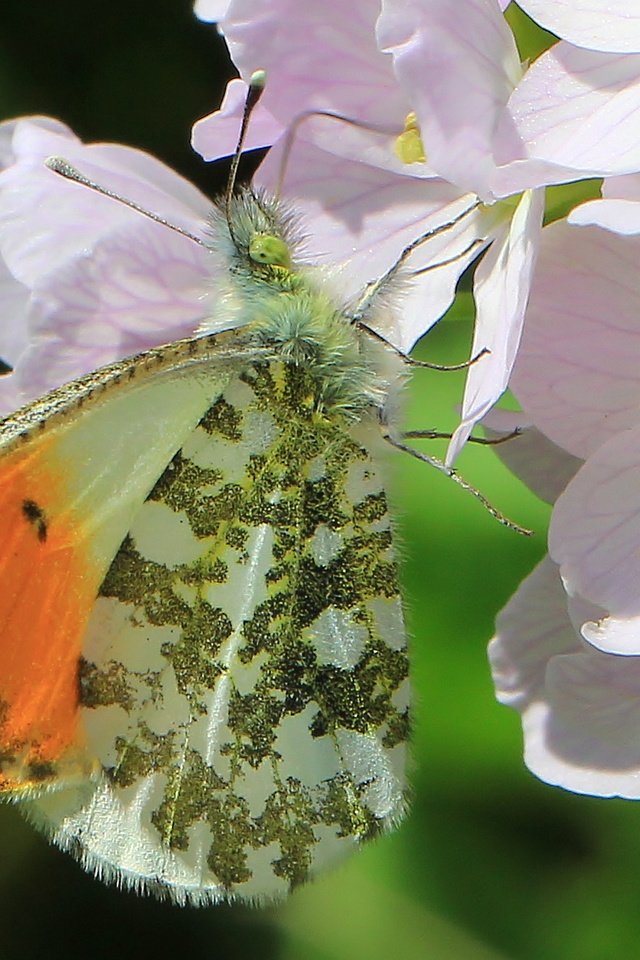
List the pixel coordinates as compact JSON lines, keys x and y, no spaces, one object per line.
{"x":74,"y":469}
{"x":244,"y":676}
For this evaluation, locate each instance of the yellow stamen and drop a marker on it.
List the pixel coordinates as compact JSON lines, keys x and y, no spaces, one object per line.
{"x":409,"y":147}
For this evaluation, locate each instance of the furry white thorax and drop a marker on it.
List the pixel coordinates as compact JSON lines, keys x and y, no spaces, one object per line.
{"x":287,"y":307}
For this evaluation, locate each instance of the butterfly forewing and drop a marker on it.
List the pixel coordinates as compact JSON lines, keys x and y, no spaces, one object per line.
{"x":74,"y":469}
{"x":243,"y":677}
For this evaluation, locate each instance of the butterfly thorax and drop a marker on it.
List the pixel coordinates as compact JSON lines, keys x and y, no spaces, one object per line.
{"x":267,"y":291}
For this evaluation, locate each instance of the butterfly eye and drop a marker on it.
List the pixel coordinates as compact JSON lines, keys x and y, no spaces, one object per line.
{"x":268,"y":249}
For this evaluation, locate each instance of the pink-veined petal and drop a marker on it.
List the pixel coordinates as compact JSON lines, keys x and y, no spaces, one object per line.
{"x":580,"y":109}
{"x":577,"y":372}
{"x":580,"y":708}
{"x":36,"y":138}
{"x":154,"y":182}
{"x":533,"y":627}
{"x":595,"y":24}
{"x":88,"y":280}
{"x":501,"y":290}
{"x":614,"y":635}
{"x":138,"y":282}
{"x":14,"y":297}
{"x":595,"y":527}
{"x":537,"y":461}
{"x":216,"y":135}
{"x":139,"y":288}
{"x":318,"y":59}
{"x":458,"y":62}
{"x":31,"y":194}
{"x":362,"y":217}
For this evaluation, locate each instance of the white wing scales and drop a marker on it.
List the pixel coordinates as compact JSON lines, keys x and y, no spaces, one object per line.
{"x":245,"y":677}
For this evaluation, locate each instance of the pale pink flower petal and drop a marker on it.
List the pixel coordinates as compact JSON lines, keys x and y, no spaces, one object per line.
{"x":580,"y":109}
{"x":211,"y":10}
{"x":8,"y":132}
{"x":153,"y":182}
{"x":501,"y":287}
{"x":28,"y":186}
{"x":89,"y":279}
{"x":14,"y":297}
{"x":321,"y":60}
{"x":537,"y":461}
{"x":135,"y":283}
{"x":613,"y":635}
{"x":587,"y":737}
{"x":216,"y":135}
{"x":533,"y":627}
{"x":10,"y":395}
{"x":619,"y":210}
{"x":137,"y":289}
{"x":619,"y":216}
{"x":595,"y":528}
{"x":7,"y":155}
{"x":457,"y":108}
{"x":577,"y":370}
{"x":622,"y":188}
{"x":361,"y":217}
{"x":318,"y":59}
{"x":595,"y":24}
{"x":580,"y":708}
{"x":14,"y":339}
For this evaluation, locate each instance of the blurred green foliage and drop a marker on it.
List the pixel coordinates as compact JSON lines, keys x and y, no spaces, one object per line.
{"x":489,"y":863}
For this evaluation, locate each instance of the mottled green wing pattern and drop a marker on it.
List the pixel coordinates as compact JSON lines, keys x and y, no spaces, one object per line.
{"x":244,"y":681}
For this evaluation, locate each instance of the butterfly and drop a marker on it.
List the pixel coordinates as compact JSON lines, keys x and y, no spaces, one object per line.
{"x":204,"y":692}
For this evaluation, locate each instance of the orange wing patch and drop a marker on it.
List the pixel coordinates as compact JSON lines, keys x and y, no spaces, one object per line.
{"x":48,"y":584}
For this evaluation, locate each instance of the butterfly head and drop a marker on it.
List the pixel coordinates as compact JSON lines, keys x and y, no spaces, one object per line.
{"x":269,"y":250}
{"x":256,"y":236}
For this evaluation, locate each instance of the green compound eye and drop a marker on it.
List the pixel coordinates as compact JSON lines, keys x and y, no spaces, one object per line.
{"x":267,"y":249}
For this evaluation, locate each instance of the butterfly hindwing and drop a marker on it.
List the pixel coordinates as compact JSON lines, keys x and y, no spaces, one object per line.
{"x":244,"y":676}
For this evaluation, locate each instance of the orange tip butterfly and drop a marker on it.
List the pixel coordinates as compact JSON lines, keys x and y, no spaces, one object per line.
{"x":204,"y":690}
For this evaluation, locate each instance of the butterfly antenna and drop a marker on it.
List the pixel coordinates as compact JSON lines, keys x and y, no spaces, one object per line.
{"x":257,"y":83}
{"x":65,"y":169}
{"x":69,"y":172}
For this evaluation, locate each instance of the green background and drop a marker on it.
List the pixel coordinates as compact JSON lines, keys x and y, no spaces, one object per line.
{"x":490,"y":863}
